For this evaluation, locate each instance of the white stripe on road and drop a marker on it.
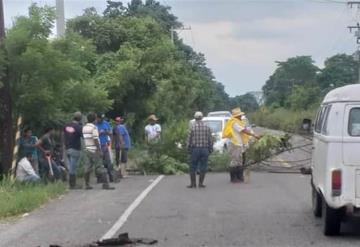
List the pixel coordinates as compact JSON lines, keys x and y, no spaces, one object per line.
{"x":123,"y":218}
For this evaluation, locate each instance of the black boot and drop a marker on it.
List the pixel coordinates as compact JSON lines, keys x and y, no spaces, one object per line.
{"x":72,"y":183}
{"x":232,"y":175}
{"x":87,"y":181}
{"x":240,"y":173}
{"x":192,"y":180}
{"x":201,"y":180}
{"x":106,"y":185}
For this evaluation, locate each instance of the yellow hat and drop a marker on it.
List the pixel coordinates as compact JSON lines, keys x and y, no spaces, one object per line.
{"x":236,"y":112}
{"x":153,"y":117}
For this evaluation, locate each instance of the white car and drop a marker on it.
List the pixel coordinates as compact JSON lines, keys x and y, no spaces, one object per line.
{"x":217,"y":125}
{"x":336,"y":159}
{"x":225,"y":114}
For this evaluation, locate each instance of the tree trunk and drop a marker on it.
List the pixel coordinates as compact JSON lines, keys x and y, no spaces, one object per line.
{"x":6,"y":128}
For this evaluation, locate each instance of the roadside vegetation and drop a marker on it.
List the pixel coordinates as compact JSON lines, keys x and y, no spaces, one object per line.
{"x":296,"y":88}
{"x":19,"y":198}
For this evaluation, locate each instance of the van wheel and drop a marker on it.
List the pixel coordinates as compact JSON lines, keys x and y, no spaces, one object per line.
{"x":332,"y":220}
{"x":316,"y":202}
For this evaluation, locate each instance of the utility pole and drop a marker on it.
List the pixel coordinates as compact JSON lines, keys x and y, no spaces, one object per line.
{"x":356,"y":34}
{"x":173,"y":30}
{"x":60,"y":18}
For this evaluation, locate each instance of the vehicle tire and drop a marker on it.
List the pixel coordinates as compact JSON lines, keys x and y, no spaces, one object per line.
{"x":332,"y":220}
{"x":316,"y":203}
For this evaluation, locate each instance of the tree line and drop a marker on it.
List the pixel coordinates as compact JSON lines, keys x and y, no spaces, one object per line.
{"x":121,"y":62}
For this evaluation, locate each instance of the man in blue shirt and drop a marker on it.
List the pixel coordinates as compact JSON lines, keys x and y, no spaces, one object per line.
{"x":105,"y":135}
{"x":122,"y":144}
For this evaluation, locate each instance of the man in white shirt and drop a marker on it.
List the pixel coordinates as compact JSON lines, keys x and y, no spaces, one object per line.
{"x":153,"y":129}
{"x":25,"y":172}
{"x":93,"y":153}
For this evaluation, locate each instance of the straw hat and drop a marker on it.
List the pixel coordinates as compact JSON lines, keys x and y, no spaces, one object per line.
{"x":153,"y":117}
{"x":236,"y":112}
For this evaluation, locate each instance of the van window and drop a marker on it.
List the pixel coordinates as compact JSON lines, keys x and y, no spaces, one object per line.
{"x":354,"y":122}
{"x":319,"y":120}
{"x":324,"y":129}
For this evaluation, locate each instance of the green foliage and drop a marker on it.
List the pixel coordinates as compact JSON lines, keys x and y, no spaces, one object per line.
{"x":247,"y":102}
{"x":266,"y":146}
{"x":282,"y":119}
{"x":339,"y":70}
{"x":172,"y":142}
{"x":18,"y":198}
{"x":296,"y":71}
{"x":219,"y":162}
{"x":162,"y":164}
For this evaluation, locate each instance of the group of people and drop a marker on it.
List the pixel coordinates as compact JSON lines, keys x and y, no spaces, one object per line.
{"x":200,"y":146}
{"x":43,"y":158}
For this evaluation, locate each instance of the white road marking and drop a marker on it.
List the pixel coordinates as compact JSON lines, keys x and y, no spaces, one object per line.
{"x":123,"y":218}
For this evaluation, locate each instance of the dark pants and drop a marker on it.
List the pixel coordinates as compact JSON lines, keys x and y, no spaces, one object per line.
{"x":121,"y":155}
{"x":199,"y":160}
{"x":107,"y":162}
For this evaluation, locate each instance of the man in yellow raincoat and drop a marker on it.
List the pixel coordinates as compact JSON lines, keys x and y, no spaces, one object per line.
{"x":235,"y":129}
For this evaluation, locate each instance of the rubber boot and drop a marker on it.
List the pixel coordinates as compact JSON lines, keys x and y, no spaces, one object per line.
{"x":72,"y":183}
{"x":192,"y":180}
{"x":87,"y":181}
{"x":106,"y":185}
{"x":240,"y":174}
{"x":232,"y":177}
{"x":201,"y":180}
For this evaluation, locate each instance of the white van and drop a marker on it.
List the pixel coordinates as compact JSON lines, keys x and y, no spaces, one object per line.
{"x":336,"y":158}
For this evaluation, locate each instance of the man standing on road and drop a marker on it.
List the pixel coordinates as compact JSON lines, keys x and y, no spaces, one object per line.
{"x":200,"y":145}
{"x":93,"y":153}
{"x":72,"y":141}
{"x":105,"y":135}
{"x":153,"y":129}
{"x":122,"y":144}
{"x":239,"y":135}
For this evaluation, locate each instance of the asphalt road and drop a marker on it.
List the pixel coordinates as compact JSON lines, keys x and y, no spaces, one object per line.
{"x":272,"y":210}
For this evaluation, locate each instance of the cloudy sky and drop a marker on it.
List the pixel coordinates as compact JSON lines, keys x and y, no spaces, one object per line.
{"x":242,"y":39}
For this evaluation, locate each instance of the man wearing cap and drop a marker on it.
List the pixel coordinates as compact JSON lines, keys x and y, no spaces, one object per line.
{"x":122,"y":144}
{"x":200,"y":145}
{"x":239,"y":138}
{"x":72,"y":134}
{"x":152,"y":130}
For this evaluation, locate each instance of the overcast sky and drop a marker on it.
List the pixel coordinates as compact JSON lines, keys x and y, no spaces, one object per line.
{"x":242,"y":39}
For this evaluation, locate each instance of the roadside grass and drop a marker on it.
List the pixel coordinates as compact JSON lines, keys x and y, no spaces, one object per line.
{"x":18,"y":198}
{"x":282,"y":119}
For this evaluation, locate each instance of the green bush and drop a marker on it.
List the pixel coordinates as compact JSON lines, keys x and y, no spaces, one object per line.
{"x":162,"y":164}
{"x":219,"y":162}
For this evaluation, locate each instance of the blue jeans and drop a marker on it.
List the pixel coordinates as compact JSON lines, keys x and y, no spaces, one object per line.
{"x":31,"y":179}
{"x":73,"y":157}
{"x":199,"y":159}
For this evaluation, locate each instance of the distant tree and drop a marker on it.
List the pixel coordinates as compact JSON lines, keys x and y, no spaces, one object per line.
{"x":246,"y":102}
{"x":295,"y":71}
{"x":339,"y":70}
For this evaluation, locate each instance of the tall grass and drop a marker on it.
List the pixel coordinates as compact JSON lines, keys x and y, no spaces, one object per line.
{"x":282,"y":119}
{"x":18,"y":198}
